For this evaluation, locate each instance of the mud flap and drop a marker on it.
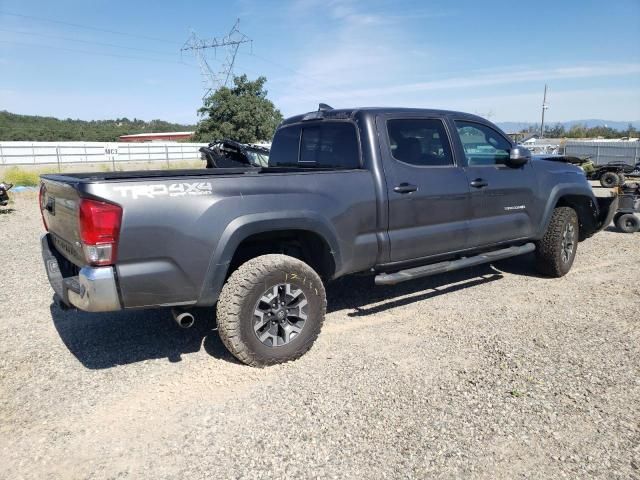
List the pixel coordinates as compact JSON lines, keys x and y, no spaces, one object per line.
{"x":607,"y":208}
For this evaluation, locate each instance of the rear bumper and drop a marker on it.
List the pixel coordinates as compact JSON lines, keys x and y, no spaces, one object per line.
{"x":93,"y":289}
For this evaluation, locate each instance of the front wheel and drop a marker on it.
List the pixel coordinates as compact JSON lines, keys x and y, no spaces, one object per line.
{"x":271,"y":310}
{"x":557,"y":249}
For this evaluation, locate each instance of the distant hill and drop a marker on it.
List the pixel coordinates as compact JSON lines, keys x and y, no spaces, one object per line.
{"x":35,"y":128}
{"x":589,"y":123}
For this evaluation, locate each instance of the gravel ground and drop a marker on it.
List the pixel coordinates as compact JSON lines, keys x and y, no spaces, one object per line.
{"x":488,"y":373}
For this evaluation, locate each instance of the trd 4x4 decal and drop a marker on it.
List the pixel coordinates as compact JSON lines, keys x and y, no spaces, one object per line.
{"x":171,"y":190}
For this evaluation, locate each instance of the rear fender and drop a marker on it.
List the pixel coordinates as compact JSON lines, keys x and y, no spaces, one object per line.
{"x":245,"y":226}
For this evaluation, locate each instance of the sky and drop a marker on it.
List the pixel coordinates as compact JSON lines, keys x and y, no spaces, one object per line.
{"x":98,"y":59}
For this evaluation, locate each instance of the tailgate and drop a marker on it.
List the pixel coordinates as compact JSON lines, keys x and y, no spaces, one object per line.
{"x":59,"y":203}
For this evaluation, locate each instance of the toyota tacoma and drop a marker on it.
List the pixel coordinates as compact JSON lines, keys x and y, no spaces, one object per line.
{"x":397,"y":193}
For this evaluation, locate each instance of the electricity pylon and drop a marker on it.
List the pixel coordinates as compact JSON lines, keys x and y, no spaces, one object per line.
{"x":211,"y":79}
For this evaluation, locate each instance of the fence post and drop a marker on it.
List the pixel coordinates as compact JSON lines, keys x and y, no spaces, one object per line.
{"x":166,"y":152}
{"x":58,"y":157}
{"x":1,"y":155}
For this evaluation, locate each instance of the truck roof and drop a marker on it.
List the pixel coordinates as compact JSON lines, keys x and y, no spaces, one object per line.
{"x":346,"y":113}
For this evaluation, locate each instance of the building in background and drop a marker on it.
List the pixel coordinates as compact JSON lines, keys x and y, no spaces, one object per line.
{"x":156,"y":137}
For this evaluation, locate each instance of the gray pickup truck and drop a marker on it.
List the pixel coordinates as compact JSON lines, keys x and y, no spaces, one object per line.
{"x":398,"y":193}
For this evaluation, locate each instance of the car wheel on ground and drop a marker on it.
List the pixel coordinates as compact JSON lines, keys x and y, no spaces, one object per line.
{"x":557,"y":249}
{"x":627,"y":222}
{"x":271,"y":310}
{"x":609,"y":179}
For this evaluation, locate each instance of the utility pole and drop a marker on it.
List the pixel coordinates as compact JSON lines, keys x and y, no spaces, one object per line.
{"x":230,"y":43}
{"x":544,"y":107}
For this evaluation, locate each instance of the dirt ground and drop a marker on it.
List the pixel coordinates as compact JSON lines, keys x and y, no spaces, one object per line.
{"x":493,"y":372}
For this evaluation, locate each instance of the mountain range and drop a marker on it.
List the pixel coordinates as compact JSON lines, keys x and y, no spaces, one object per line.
{"x":590,"y":123}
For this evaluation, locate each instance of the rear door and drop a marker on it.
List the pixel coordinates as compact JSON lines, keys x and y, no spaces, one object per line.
{"x":427,"y":190}
{"x":502,"y":197}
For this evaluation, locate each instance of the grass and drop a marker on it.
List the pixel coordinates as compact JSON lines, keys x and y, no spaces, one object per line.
{"x":25,"y":178}
{"x":30,"y":177}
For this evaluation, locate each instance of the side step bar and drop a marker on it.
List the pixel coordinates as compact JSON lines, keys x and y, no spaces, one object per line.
{"x":448,"y":266}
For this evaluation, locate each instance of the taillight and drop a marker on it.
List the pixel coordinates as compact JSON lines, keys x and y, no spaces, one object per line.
{"x":41,"y":193}
{"x":99,"y":231}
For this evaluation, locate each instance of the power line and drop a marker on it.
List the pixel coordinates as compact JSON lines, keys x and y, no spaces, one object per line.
{"x":87,"y":27}
{"x":147,"y":59}
{"x":45,"y":35}
{"x":230,"y":43}
{"x":293,"y":70}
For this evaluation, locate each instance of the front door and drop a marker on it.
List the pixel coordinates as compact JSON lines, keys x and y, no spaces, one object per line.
{"x":428,"y":192}
{"x":502,"y":197}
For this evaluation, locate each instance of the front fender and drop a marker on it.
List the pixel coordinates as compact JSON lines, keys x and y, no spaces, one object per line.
{"x":594,"y":213}
{"x":243,"y":227}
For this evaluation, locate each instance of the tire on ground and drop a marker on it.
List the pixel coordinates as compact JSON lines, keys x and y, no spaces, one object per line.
{"x":239,"y":300}
{"x":549,"y":251}
{"x":616,"y":217}
{"x":609,"y":179}
{"x":628,"y":223}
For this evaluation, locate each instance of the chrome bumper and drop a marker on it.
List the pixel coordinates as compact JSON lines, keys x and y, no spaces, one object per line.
{"x":92,"y":290}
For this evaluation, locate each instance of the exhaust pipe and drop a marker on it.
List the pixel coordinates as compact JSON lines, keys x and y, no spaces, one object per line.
{"x":182,"y":318}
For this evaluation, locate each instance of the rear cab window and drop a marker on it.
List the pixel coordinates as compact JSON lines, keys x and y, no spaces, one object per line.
{"x":421,"y":142}
{"x":332,"y":145}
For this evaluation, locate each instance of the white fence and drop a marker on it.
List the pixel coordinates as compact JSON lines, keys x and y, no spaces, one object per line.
{"x":69,"y":153}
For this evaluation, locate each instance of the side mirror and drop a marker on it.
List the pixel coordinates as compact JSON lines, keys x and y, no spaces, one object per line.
{"x":518,"y":156}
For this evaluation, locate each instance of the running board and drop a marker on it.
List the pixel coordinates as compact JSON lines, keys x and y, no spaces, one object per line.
{"x":442,"y":267}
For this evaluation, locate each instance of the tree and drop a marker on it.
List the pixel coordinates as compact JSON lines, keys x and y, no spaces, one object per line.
{"x":242,"y":113}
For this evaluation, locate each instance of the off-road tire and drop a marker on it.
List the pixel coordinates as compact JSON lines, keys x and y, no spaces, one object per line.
{"x":238,"y":300}
{"x":621,"y":179}
{"x":628,"y":223}
{"x":609,"y":179}
{"x":549,"y":250}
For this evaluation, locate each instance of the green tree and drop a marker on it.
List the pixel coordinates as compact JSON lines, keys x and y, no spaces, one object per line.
{"x":242,"y":113}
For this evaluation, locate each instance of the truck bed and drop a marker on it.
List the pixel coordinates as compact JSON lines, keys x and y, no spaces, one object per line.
{"x":139,"y":175}
{"x":94,"y":177}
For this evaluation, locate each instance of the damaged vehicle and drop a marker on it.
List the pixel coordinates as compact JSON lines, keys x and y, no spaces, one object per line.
{"x":231,"y":154}
{"x":609,"y":175}
{"x":394,"y":193}
{"x":4,"y":195}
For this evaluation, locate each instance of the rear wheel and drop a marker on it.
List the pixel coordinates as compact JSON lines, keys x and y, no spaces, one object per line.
{"x":609,"y":179}
{"x":271,"y":310}
{"x":557,"y":249}
{"x":628,"y":223}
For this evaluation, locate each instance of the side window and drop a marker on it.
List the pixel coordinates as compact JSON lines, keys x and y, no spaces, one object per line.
{"x":284,"y":151}
{"x":419,"y":141}
{"x":330,"y":145}
{"x":482,"y":144}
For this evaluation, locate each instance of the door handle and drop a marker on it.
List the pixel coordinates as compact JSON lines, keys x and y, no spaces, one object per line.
{"x":405,"y":188}
{"x":479,"y":183}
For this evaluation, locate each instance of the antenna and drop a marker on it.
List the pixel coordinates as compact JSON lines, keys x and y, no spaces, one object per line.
{"x":231,"y":43}
{"x":545,"y":106}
